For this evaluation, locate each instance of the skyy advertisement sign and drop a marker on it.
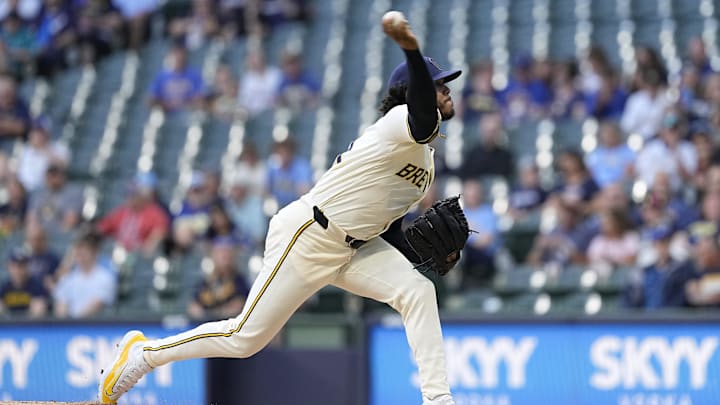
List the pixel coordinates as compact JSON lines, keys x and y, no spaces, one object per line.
{"x":62,"y":362}
{"x":561,"y":364}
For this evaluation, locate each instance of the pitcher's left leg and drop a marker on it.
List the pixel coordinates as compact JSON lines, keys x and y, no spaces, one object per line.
{"x":380,"y":272}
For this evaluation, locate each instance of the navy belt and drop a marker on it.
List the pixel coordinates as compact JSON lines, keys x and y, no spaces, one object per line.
{"x":323,"y":221}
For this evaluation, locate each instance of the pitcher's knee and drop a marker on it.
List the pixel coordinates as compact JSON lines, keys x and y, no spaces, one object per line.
{"x":244,"y":347}
{"x":419,"y":290}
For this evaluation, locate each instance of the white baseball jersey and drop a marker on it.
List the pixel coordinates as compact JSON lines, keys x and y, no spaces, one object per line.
{"x":383,"y":173}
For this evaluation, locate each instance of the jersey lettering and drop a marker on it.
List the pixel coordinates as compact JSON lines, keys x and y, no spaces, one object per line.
{"x":415,"y":175}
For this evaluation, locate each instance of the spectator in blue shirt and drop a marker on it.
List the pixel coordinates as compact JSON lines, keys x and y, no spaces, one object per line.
{"x":483,"y":244}
{"x":298,"y":89}
{"x":289,"y":176}
{"x":608,"y":100}
{"x":43,"y":261}
{"x":55,"y":34}
{"x":612,"y":160}
{"x":528,"y":92}
{"x":193,"y":218}
{"x":660,"y":284}
{"x":179,"y":86}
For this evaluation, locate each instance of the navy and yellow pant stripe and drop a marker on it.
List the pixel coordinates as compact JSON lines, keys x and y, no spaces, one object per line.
{"x":249,"y":310}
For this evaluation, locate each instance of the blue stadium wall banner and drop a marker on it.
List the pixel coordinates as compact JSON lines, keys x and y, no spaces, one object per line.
{"x":61,"y":362}
{"x":556,"y":363}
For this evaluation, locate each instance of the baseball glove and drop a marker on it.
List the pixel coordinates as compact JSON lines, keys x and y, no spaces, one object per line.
{"x":438,"y":236}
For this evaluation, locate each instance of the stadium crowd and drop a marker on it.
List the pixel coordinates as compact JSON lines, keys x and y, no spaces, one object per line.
{"x":646,"y":196}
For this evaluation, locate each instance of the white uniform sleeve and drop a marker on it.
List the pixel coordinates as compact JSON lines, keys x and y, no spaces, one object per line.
{"x":395,"y":128}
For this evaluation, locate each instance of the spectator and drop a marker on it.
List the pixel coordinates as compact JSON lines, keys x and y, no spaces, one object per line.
{"x":275,"y":12}
{"x":617,"y":245}
{"x":221,"y":226}
{"x":661,"y":284}
{"x":647,"y":59}
{"x":19,"y":44}
{"x":575,"y":186}
{"x":224,"y":95}
{"x":608,"y":101}
{"x":55,"y":36}
{"x":489,"y":157}
{"x":557,"y":246}
{"x":88,"y":287}
{"x":14,"y":209}
{"x":298,"y":89}
{"x":246,"y":209}
{"x":58,"y":204}
{"x":673,"y":208}
{"x":528,"y":92}
{"x":223,"y":292}
{"x":289,"y":176}
{"x":137,"y":14}
{"x":251,"y":167}
{"x":178,"y":86}
{"x":14,"y":115}
{"x":27,"y":9}
{"x":528,"y":195}
{"x":259,"y":84}
{"x":645,"y":108}
{"x":212,"y":180}
{"x":568,"y":102}
{"x":193,"y":218}
{"x":21,"y":294}
{"x":612,"y":160}
{"x":668,"y":154}
{"x":704,"y":150}
{"x":239,"y":17}
{"x":691,"y":92}
{"x":43,"y":261}
{"x":196,"y":28}
{"x":39,"y":153}
{"x":99,"y":28}
{"x":697,"y":56}
{"x":140,"y":224}
{"x":611,"y":198}
{"x":702,"y":287}
{"x":483,"y":244}
{"x":479,"y":96}
{"x":593,"y":68}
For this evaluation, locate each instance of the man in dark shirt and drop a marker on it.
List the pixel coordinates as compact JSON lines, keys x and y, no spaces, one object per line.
{"x":489,"y":157}
{"x":223,"y":292}
{"x":21,"y":294}
{"x":14,"y":115}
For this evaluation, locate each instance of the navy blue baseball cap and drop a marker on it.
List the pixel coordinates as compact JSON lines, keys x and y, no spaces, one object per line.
{"x":19,"y":255}
{"x":400,"y":73}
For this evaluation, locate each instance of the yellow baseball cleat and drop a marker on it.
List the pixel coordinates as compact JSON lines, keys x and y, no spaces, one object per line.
{"x":127,"y":368}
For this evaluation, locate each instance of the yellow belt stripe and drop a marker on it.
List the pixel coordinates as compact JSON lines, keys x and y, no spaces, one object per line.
{"x":245,"y":318}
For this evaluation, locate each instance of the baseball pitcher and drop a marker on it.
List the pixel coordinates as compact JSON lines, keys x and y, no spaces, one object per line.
{"x":346,"y":232}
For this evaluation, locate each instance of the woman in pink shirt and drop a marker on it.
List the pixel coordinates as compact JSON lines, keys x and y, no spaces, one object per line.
{"x":617,"y":244}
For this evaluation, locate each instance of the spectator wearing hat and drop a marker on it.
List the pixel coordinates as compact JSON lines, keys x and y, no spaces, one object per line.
{"x":39,"y":153}
{"x":140,"y":223}
{"x":703,"y":285}
{"x":88,"y":287}
{"x":298,"y":89}
{"x":661,"y":283}
{"x":289,"y":176}
{"x":612,"y":160}
{"x":21,"y":294}
{"x":223,"y":292}
{"x":44,"y":261}
{"x":14,"y":115}
{"x":58,"y":204}
{"x":191,"y":221}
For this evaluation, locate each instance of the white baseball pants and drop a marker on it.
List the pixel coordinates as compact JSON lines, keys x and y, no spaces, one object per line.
{"x":301,"y":257}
